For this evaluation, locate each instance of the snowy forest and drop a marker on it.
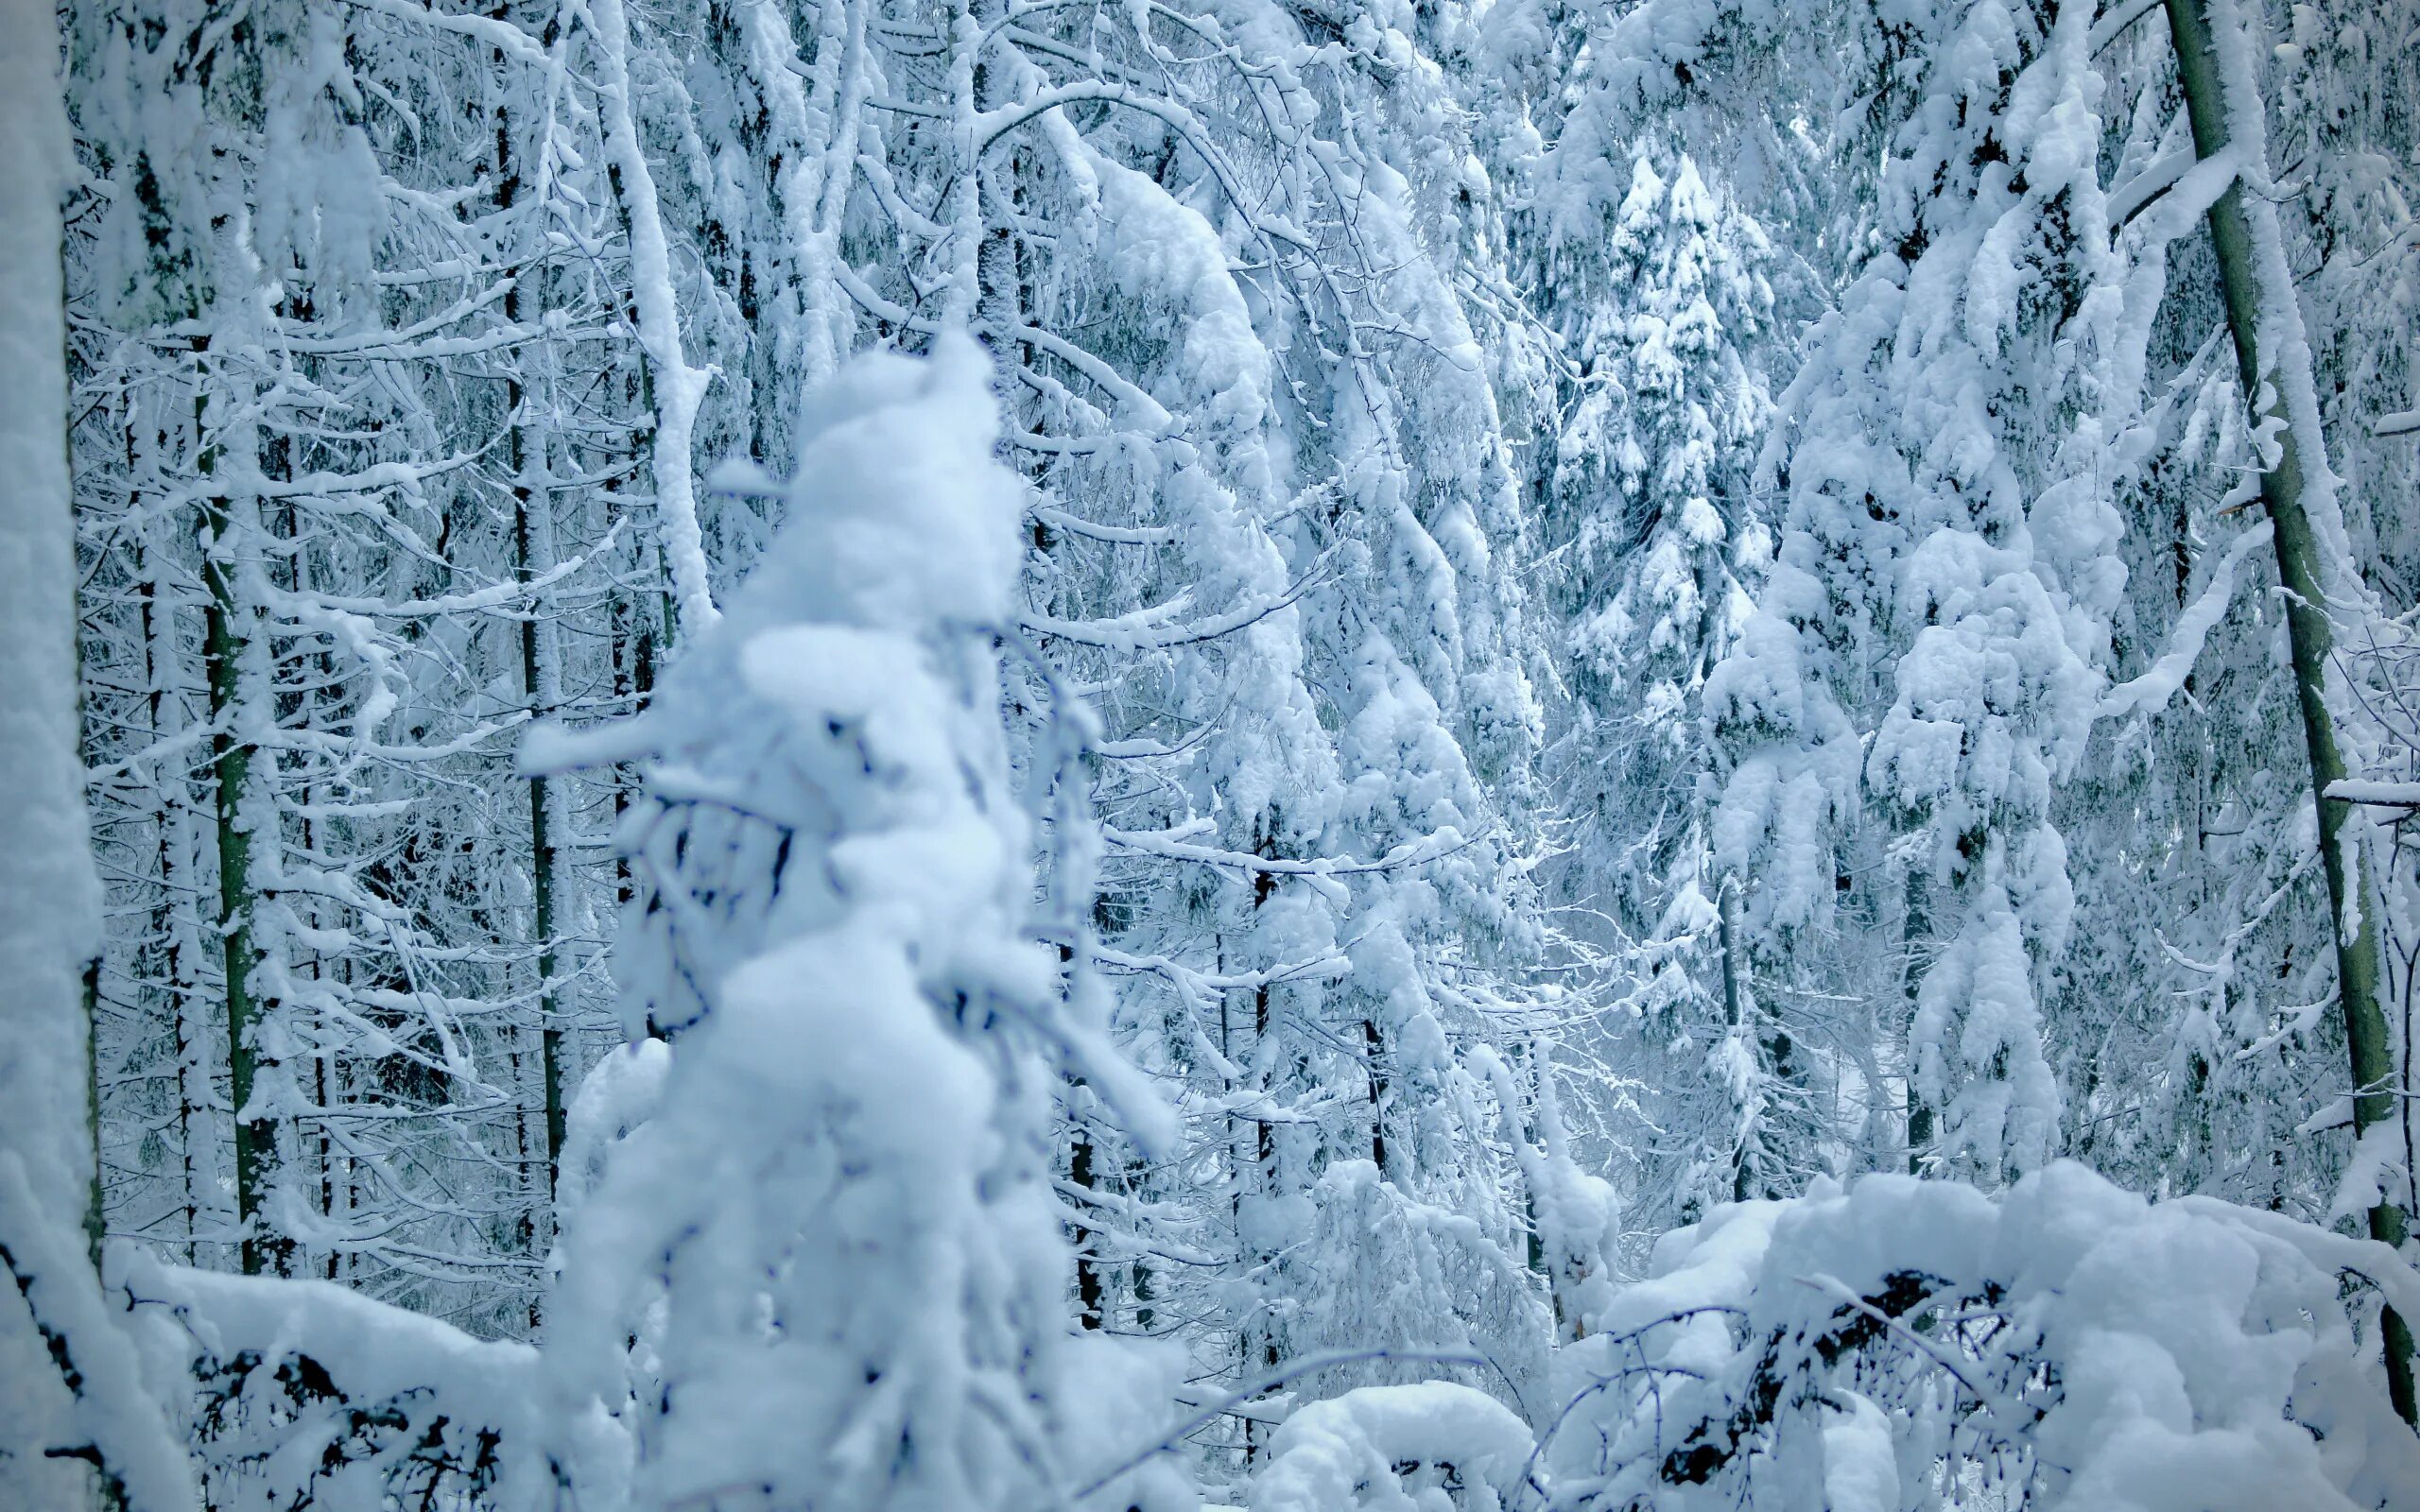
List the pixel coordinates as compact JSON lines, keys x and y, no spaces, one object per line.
{"x":1184,"y":755}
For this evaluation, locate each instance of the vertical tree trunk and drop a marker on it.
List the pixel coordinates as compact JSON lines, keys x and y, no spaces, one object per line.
{"x":533,"y":555}
{"x":1090,"y":1309}
{"x":297,"y":709}
{"x":1913,"y":925}
{"x":1373,"y":1051}
{"x":1730,"y":943}
{"x":168,"y":919}
{"x":543,"y":860}
{"x":2299,"y":568}
{"x":633,"y":633}
{"x":1264,"y":886}
{"x":1146,"y":1316}
{"x":226,"y":633}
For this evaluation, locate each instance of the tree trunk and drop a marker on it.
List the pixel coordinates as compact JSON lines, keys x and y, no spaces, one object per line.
{"x":533,"y":554}
{"x":169,"y":921}
{"x":2312,"y":641}
{"x":1091,"y":1312}
{"x":226,"y":631}
{"x":1915,"y":923}
{"x":1730,"y":943}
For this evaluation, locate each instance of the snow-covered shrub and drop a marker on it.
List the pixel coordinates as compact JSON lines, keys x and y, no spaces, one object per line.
{"x":2064,"y":1344}
{"x":1433,"y":1446}
{"x":311,"y":1395}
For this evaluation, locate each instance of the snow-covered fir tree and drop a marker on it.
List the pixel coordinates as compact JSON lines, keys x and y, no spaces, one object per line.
{"x":1934,"y":625}
{"x":845,"y":1181}
{"x":1664,"y":542}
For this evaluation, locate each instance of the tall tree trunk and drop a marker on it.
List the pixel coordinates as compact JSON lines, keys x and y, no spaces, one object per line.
{"x":1145,"y":1314}
{"x":1374,"y":1064}
{"x":227,"y":631}
{"x":1730,"y":943}
{"x":533,"y":555}
{"x":170,"y":921}
{"x":545,"y":882}
{"x":633,"y":631}
{"x":1091,"y":1308}
{"x":1264,"y":886}
{"x":1915,"y":924}
{"x":2311,"y":637}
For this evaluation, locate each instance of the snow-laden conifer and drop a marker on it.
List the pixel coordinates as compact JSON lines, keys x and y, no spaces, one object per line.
{"x":835,"y":1235}
{"x":1928,"y":649}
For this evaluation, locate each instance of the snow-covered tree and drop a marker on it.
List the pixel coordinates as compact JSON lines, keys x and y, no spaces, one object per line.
{"x":846,"y":1182}
{"x":1661,"y":546}
{"x":1935,"y":624}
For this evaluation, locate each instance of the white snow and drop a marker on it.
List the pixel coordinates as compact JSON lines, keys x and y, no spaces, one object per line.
{"x":50,"y":898}
{"x":2062,"y":1337}
{"x":1357,"y":1452}
{"x":1545,"y":640}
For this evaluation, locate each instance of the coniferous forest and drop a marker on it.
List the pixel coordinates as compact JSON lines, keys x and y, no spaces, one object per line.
{"x":1174,"y":755}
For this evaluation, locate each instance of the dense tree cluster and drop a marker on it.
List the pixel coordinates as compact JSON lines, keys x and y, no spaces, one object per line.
{"x":1567,"y":754}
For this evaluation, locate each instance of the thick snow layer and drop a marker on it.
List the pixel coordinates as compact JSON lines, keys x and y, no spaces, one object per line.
{"x":825,"y":1267}
{"x":2063,"y":1344}
{"x":1396,"y":1449}
{"x":55,"y":1323}
{"x":51,"y":899}
{"x":322,"y":1397}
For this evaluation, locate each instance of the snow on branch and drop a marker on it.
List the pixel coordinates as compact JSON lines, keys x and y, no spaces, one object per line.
{"x":311,"y":1395}
{"x":125,"y":1435}
{"x":2063,"y":1344}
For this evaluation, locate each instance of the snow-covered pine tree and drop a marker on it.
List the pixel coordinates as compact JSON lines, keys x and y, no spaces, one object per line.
{"x":835,"y":1233}
{"x":1935,"y":623}
{"x":1662,"y":545}
{"x":1603,"y":107}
